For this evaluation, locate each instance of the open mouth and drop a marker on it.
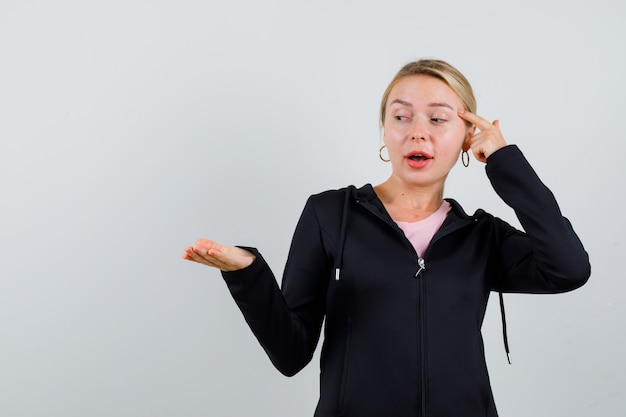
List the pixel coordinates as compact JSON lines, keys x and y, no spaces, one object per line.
{"x":419,"y":157}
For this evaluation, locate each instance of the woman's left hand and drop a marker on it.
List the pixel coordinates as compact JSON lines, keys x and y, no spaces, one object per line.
{"x":485,"y":142}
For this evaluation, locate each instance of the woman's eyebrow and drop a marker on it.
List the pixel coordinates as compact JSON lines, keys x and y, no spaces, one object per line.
{"x":440,"y":105}
{"x":404,"y":103}
{"x":408,"y":104}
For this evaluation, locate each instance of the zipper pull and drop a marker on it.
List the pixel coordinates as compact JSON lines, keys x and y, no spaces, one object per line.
{"x":422,"y":264}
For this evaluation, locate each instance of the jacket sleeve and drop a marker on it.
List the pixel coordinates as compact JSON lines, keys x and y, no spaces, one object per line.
{"x":287,"y":322}
{"x":548,"y":257}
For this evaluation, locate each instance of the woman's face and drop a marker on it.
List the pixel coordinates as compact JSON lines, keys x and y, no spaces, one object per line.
{"x":422,"y":130}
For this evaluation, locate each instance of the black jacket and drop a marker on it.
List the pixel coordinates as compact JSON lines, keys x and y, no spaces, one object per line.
{"x":402,"y":333}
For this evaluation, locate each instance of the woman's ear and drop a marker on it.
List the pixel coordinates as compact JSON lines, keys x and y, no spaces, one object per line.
{"x":467,"y":143}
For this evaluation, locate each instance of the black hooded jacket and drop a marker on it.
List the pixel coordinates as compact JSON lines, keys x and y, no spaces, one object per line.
{"x":402,"y":332}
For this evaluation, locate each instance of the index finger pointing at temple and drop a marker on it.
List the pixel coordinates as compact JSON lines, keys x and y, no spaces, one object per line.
{"x":474,"y":119}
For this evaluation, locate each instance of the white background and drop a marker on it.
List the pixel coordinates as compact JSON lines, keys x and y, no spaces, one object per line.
{"x":130,"y":128}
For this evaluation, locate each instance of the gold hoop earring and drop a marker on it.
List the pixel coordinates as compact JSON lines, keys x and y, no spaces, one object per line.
{"x":465,"y":159}
{"x":380,"y":154}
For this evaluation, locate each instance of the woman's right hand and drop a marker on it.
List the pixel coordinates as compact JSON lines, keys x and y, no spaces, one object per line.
{"x":224,"y":258}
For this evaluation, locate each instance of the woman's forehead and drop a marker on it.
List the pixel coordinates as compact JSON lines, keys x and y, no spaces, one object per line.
{"x":423,"y":89}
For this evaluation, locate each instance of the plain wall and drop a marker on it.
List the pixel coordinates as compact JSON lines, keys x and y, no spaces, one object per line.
{"x":130,"y":128}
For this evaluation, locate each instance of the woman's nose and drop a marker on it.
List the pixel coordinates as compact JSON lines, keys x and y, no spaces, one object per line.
{"x":420,"y":130}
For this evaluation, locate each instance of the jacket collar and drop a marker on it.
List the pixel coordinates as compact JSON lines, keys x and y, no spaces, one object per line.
{"x":367,"y":194}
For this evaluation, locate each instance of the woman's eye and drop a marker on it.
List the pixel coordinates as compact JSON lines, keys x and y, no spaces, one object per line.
{"x":437,"y":119}
{"x":401,"y":117}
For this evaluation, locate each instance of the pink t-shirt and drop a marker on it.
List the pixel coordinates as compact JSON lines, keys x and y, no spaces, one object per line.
{"x":421,"y":232}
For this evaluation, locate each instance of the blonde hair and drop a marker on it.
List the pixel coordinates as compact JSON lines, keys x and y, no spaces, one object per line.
{"x":438,"y":69}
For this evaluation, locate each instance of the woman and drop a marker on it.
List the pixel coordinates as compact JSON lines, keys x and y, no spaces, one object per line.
{"x":400,"y":275}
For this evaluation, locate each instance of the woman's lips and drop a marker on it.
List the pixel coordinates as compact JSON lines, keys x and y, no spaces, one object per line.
{"x":418,"y":159}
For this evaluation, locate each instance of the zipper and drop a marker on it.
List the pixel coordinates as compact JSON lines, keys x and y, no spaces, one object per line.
{"x":422,"y":265}
{"x":422,"y":332}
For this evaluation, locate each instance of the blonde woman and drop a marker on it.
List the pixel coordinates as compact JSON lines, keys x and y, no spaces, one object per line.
{"x":401,"y":275}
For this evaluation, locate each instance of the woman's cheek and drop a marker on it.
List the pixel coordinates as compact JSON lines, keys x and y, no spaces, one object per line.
{"x":393,"y":135}
{"x":401,"y":130}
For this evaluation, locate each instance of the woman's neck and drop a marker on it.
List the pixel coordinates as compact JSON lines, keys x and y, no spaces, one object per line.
{"x":409,"y":203}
